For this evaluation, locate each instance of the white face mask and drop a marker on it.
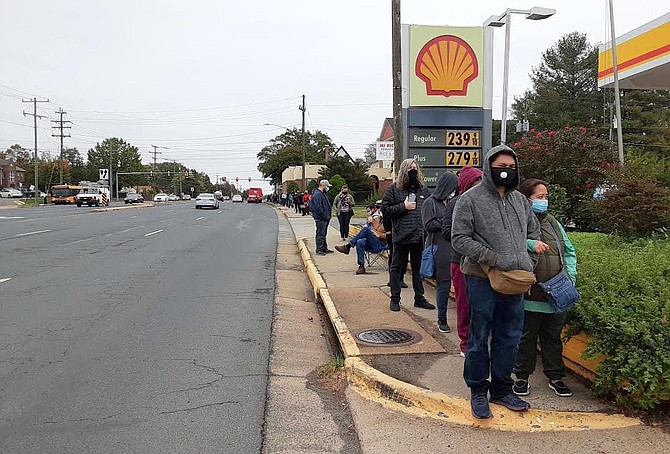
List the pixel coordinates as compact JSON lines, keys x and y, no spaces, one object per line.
{"x":326,"y":189}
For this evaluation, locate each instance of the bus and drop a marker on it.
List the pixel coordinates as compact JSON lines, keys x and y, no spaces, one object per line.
{"x":64,"y":193}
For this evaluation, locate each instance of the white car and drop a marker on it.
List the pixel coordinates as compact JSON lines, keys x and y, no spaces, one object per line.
{"x":173,"y":198}
{"x":206,"y":200}
{"x":161,"y":197}
{"x":11,"y":192}
{"x":237,"y":198}
{"x":186,"y":197}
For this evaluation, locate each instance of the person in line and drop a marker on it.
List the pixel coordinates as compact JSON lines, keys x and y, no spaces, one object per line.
{"x":432,"y":214}
{"x":539,"y":319}
{"x":388,"y":226}
{"x":371,"y":238}
{"x":306,"y":197}
{"x":344,"y":210}
{"x":321,"y":210}
{"x":468,"y":177}
{"x":491,"y":224}
{"x":402,"y":203}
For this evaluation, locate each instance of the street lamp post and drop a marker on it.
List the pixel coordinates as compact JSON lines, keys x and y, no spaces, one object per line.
{"x":505,"y":19}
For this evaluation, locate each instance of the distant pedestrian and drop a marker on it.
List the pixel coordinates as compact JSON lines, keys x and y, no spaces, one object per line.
{"x":540,"y":321}
{"x":402,"y":203}
{"x":491,"y":224}
{"x":468,"y":177}
{"x":306,"y":197}
{"x":297,"y":201}
{"x":321,"y":212}
{"x":432,"y":214}
{"x":283,"y":199}
{"x":344,"y":210}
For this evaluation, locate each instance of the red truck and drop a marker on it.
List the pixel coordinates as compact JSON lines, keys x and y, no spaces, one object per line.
{"x":255,"y":195}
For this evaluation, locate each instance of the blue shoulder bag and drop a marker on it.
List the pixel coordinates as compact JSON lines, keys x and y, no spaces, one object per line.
{"x":559,"y":290}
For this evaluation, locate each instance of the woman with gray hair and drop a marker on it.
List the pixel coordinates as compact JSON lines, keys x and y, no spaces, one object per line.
{"x":402,"y":204}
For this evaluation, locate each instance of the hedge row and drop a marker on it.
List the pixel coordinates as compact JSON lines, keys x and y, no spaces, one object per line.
{"x":625,"y":306}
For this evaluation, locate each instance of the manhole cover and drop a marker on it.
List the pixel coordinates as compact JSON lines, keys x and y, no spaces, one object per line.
{"x":387,"y":336}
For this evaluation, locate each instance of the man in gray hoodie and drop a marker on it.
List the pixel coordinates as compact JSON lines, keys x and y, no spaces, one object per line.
{"x":490,"y":226}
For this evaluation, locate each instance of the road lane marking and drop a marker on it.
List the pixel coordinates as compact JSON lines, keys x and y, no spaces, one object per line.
{"x":11,"y":217}
{"x":201,"y":217}
{"x":31,"y":233}
{"x":164,"y":220}
{"x":133,"y":217}
{"x":5,"y":279}
{"x":153,"y":233}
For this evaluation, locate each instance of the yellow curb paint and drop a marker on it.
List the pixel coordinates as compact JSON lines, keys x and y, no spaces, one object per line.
{"x":347,"y":341}
{"x":398,"y":395}
{"x":313,"y":274}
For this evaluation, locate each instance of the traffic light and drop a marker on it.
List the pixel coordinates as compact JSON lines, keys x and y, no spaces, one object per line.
{"x":249,"y":179}
{"x":237,"y":179}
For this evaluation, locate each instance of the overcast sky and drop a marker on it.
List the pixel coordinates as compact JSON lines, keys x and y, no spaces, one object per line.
{"x":202,"y":77}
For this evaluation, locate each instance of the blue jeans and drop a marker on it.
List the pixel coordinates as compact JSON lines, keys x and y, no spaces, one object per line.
{"x":501,"y":317}
{"x":442,"y":297}
{"x":365,"y":240}
{"x":321,"y":230}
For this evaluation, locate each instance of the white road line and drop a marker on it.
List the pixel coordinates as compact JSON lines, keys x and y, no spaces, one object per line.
{"x":11,"y":217}
{"x":164,"y":220}
{"x":133,"y":217}
{"x":5,"y":279}
{"x":153,"y":233}
{"x":31,"y":233}
{"x":201,"y":217}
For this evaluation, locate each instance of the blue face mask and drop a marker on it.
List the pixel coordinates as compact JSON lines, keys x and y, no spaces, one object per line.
{"x":540,"y":205}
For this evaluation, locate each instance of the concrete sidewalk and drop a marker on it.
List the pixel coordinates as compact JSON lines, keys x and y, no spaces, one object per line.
{"x":425,"y":378}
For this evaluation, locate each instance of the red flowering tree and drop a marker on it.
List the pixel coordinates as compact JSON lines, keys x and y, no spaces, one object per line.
{"x":574,"y":158}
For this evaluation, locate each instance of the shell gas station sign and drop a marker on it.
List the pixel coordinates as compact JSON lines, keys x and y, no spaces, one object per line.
{"x":447,"y":73}
{"x":446,"y":66}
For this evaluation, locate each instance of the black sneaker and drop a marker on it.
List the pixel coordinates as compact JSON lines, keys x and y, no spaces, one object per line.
{"x":320,"y":253}
{"x":443,"y":326}
{"x":395,"y":306}
{"x":328,"y":251}
{"x":423,"y":304}
{"x":480,"y":406}
{"x":512,"y":402}
{"x":403,"y":285}
{"x":560,"y":388}
{"x":521,"y":387}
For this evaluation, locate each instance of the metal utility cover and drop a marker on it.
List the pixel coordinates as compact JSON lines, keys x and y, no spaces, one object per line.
{"x":388,"y":337}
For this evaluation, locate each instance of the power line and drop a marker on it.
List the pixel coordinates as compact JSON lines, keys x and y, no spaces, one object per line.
{"x":60,"y":124}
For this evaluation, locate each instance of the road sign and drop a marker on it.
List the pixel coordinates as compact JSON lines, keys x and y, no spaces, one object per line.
{"x":384,"y":150}
{"x":103,"y":174}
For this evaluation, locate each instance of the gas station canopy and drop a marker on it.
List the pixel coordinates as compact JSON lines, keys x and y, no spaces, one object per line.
{"x":643,"y":57}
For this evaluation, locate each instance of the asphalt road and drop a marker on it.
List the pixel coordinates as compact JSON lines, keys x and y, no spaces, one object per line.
{"x":142,"y":330}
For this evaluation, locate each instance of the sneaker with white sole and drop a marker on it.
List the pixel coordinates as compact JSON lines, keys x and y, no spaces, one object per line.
{"x":560,"y":388}
{"x":521,"y":387}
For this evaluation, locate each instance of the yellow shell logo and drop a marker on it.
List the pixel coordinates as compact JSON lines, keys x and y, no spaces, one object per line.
{"x":447,"y":64}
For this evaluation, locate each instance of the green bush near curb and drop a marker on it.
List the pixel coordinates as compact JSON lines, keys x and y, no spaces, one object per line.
{"x":625,"y":306}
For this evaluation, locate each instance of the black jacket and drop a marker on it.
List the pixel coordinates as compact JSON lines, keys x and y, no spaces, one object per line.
{"x":407,"y":225}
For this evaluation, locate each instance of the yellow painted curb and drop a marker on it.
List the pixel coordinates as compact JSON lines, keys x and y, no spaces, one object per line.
{"x":314,"y":276}
{"x":347,"y":341}
{"x":398,"y":395}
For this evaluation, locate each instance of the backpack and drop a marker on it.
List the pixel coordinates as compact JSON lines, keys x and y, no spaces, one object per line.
{"x":344,"y":204}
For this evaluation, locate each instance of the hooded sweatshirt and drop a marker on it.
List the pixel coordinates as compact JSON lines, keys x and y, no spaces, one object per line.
{"x":490,"y":229}
{"x":466,"y":179}
{"x":432,"y":215}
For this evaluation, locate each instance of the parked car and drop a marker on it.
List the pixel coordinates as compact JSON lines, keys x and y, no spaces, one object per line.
{"x":173,"y":198}
{"x":185,"y":197}
{"x":133,"y":197}
{"x":206,"y":200}
{"x":226,"y":197}
{"x":11,"y":192}
{"x":237,"y":198}
{"x":161,"y":197}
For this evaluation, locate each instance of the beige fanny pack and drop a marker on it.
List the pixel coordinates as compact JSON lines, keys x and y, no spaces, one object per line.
{"x":513,"y":282}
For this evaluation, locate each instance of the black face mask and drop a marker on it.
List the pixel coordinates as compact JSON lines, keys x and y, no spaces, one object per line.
{"x":503,"y":176}
{"x":413,"y":176}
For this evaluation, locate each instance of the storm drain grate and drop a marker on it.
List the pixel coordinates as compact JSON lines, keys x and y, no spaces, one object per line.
{"x":386,"y":336}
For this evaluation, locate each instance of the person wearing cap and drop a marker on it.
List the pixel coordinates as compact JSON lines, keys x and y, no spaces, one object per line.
{"x":371,"y":238}
{"x":344,"y":210}
{"x":490,"y":227}
{"x":321,"y":210}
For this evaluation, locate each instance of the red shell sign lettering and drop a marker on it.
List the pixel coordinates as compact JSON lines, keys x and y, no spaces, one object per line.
{"x":447,"y":64}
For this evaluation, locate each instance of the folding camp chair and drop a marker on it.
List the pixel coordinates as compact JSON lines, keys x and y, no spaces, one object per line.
{"x":374,"y":257}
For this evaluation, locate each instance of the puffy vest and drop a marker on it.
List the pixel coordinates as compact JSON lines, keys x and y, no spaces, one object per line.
{"x":549,"y":263}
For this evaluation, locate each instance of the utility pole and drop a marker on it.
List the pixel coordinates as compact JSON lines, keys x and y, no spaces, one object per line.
{"x":303,"y":109}
{"x":396,"y":49}
{"x":60,"y":124}
{"x":155,"y":153}
{"x":617,"y":95}
{"x":35,"y":117}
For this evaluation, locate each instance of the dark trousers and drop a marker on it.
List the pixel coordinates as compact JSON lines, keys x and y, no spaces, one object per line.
{"x":344,"y":219}
{"x":321,"y":230}
{"x":389,"y":243}
{"x":495,"y":315}
{"x":399,"y":263}
{"x":548,"y":328}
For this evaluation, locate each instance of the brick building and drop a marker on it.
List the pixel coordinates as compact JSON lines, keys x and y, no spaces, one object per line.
{"x":11,"y":176}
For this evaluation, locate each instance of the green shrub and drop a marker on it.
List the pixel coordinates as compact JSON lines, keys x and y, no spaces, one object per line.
{"x":625,"y":306}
